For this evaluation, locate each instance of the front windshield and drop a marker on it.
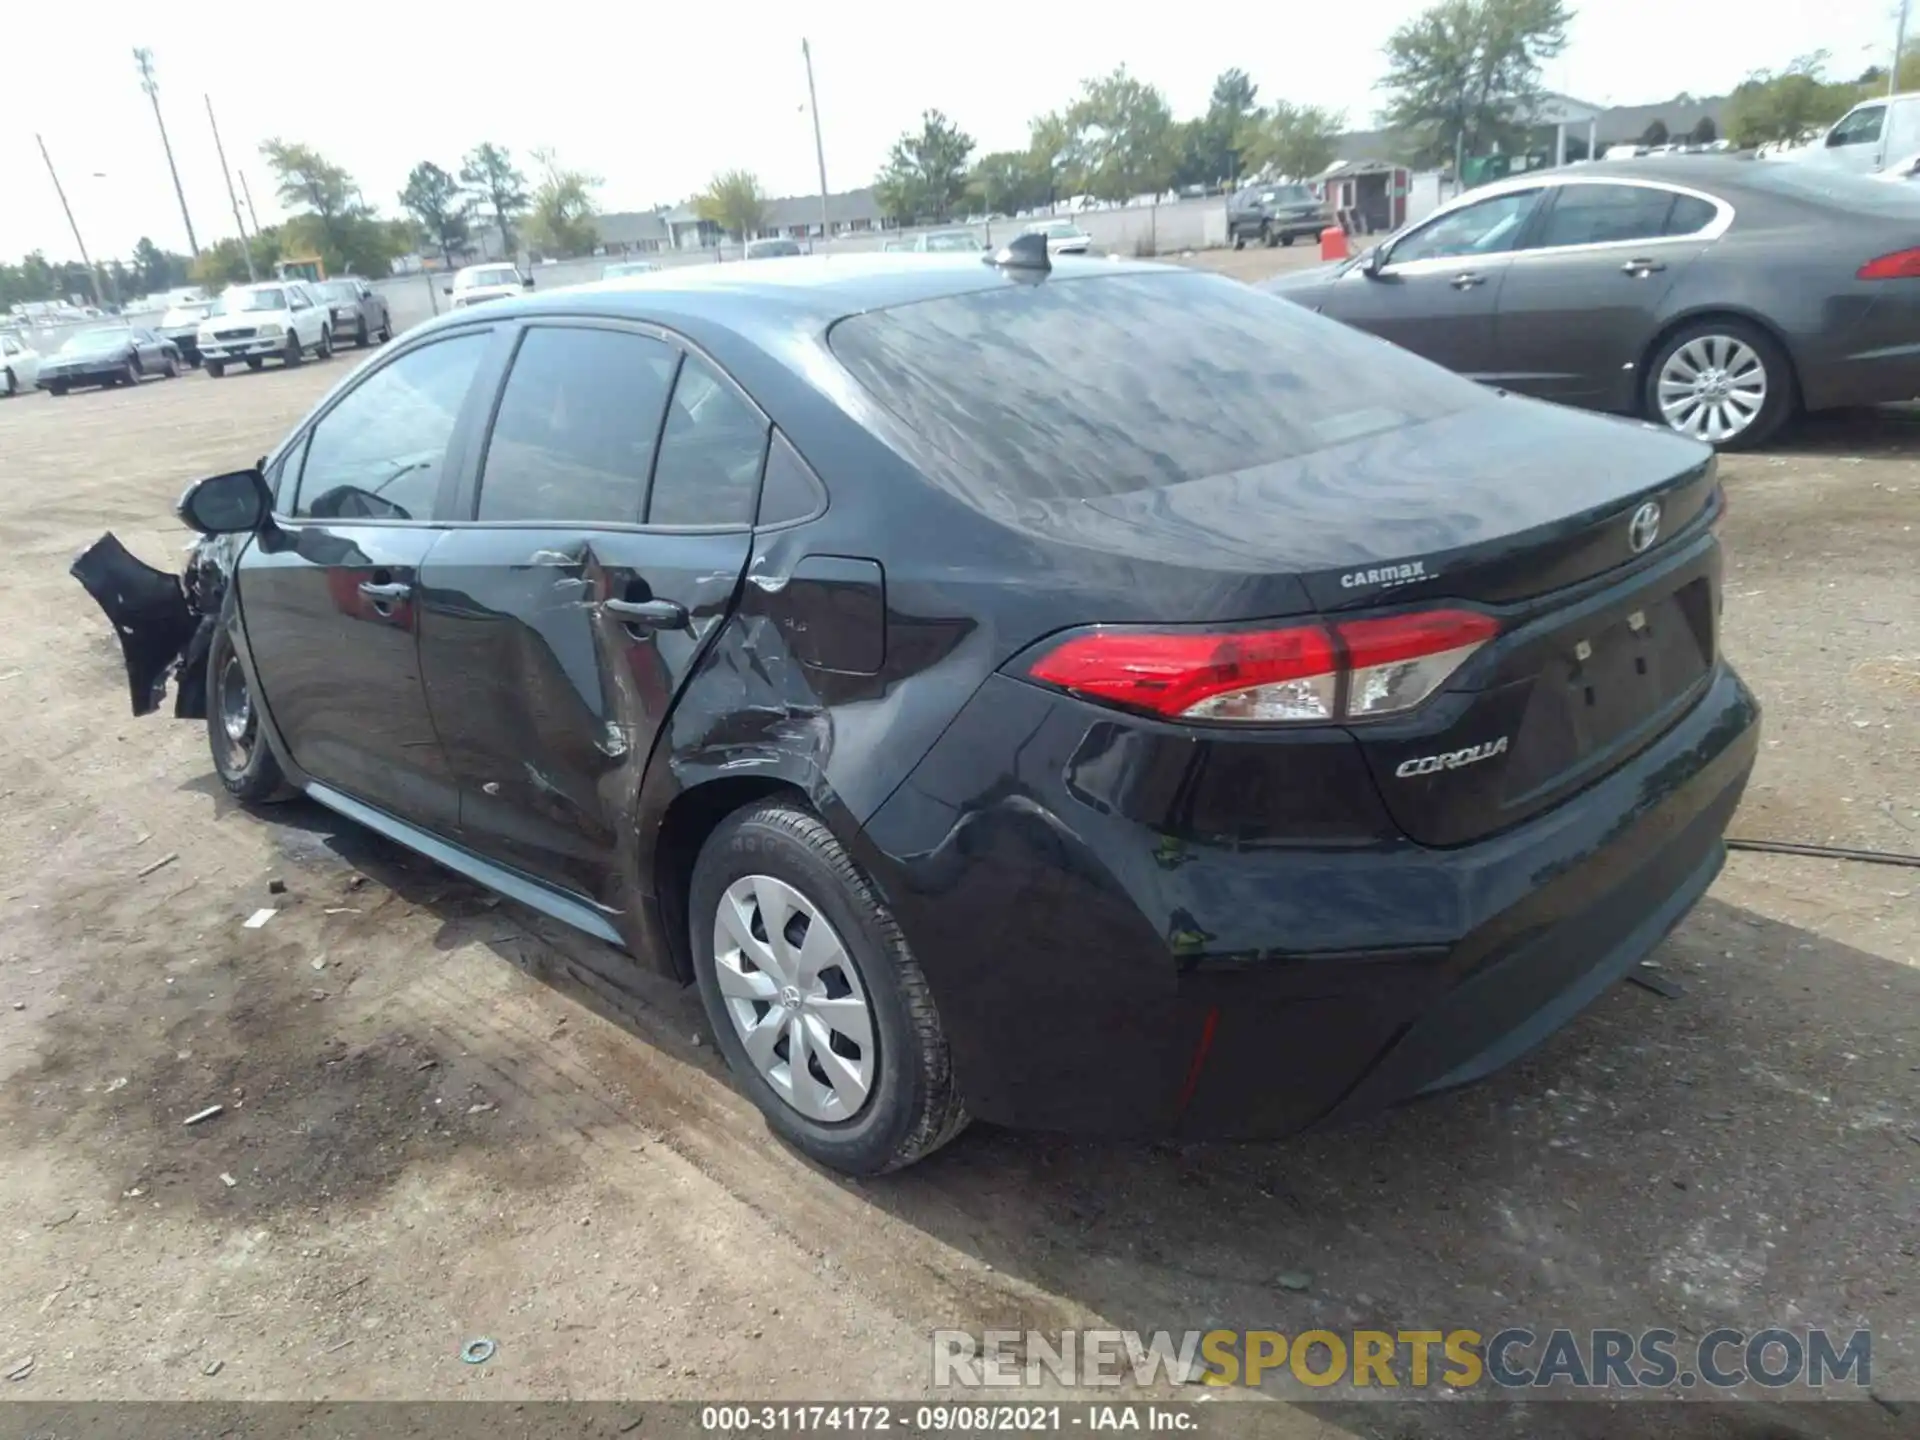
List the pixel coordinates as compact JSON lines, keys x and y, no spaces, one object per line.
{"x":90,"y":341}
{"x":952,"y":240}
{"x":241,"y":302}
{"x":498,"y":275}
{"x":194,"y":309}
{"x":1060,"y":227}
{"x":1288,"y":195}
{"x":338,"y":290}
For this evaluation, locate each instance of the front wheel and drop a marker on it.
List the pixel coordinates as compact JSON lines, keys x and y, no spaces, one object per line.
{"x":386,"y":327}
{"x":254,"y":362}
{"x":215,"y":369}
{"x":814,"y":996}
{"x":1286,"y":239}
{"x":172,"y":370}
{"x":9,"y":386}
{"x":362,"y":337}
{"x":295,"y":351}
{"x":326,"y":345}
{"x":1239,"y":242}
{"x":241,"y":756}
{"x":130,"y":373}
{"x":1726,"y":382}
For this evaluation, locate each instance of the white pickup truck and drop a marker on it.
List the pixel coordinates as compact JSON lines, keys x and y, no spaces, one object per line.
{"x":273,"y":320}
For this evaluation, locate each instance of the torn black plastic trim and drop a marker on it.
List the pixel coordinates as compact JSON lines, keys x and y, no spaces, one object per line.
{"x":152,"y":616}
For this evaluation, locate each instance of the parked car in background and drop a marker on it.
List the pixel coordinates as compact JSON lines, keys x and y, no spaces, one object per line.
{"x":1155,"y":709}
{"x":359,"y":312}
{"x":1715,"y":297}
{"x":947,"y":242}
{"x":477,"y":284}
{"x":1063,"y":237}
{"x":1275,"y":215}
{"x":19,"y":365}
{"x":1869,"y":135}
{"x":621,"y":269}
{"x":180,"y":323}
{"x":273,"y":320}
{"x":107,"y":355}
{"x":772,"y":249}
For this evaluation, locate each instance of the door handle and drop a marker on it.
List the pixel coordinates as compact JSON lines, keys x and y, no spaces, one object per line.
{"x":649,"y":614}
{"x":385,"y":594}
{"x":1639,"y":268}
{"x":1466,"y":280}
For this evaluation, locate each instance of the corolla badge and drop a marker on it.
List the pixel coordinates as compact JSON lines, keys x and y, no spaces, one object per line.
{"x":1451,"y":759}
{"x":1644,"y":528}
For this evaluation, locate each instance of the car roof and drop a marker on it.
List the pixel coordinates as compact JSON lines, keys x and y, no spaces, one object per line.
{"x":805,"y":291}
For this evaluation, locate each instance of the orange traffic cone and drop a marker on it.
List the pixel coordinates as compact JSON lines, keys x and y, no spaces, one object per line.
{"x":1333,"y":243}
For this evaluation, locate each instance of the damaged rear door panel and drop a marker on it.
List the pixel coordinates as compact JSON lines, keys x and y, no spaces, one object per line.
{"x":602,"y":545}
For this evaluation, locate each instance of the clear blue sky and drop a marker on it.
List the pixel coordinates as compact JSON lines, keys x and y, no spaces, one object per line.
{"x":655,"y":99}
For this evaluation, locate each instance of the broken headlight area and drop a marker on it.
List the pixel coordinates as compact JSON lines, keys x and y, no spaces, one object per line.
{"x":164,"y":622}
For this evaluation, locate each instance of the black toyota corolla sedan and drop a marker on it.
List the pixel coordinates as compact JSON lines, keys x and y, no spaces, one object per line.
{"x":1714,"y":296}
{"x":1085,"y":695}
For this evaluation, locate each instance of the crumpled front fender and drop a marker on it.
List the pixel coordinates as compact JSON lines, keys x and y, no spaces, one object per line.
{"x":158,"y":623}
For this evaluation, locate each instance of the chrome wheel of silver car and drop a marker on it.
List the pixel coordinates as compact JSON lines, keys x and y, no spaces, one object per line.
{"x":795,"y":997}
{"x":1713,"y":388}
{"x":235,"y":708}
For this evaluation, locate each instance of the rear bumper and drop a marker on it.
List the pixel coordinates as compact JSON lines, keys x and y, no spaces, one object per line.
{"x":1094,"y":976}
{"x":1884,"y":376}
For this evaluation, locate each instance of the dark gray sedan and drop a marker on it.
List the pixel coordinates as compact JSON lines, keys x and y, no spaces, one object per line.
{"x":106,"y":355}
{"x":1714,"y":296}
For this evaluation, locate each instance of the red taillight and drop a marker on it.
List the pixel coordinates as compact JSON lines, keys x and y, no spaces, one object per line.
{"x":1292,"y":675}
{"x":1900,"y":265}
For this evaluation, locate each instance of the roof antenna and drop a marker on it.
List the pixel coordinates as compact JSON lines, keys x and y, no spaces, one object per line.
{"x":1023,"y":252}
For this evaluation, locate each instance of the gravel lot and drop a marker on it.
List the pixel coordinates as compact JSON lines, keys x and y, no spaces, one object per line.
{"x":440,"y":1124}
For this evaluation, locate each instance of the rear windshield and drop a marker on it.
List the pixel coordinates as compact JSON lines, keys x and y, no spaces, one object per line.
{"x":1074,"y":389}
{"x":1813,"y":183}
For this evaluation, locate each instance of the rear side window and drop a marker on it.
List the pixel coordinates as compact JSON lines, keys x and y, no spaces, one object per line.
{"x":1690,"y":215}
{"x":573,"y":440}
{"x":379,"y":452}
{"x":1597,"y":214}
{"x":1075,"y":389}
{"x":711,"y":452}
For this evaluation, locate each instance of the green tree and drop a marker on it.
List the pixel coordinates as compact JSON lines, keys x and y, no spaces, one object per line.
{"x":155,"y":269}
{"x":489,"y":173}
{"x":1704,"y":132}
{"x":435,"y":199}
{"x":1465,"y":74}
{"x":1122,"y":140}
{"x":1787,"y":104}
{"x":1295,"y":142}
{"x":1006,"y":182}
{"x":1050,"y":155}
{"x":311,"y":185}
{"x":1210,"y":149}
{"x":925,"y":176}
{"x":561,"y":222}
{"x":1655,"y":133}
{"x":225,"y":263}
{"x":734,"y":201}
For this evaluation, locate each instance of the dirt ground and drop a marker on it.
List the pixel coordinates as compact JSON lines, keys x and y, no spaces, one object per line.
{"x":441,"y":1124}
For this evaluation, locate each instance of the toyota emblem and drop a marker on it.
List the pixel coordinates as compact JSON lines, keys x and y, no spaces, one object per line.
{"x":1644,"y":528}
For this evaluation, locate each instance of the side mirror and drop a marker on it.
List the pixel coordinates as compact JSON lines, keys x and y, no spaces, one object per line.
{"x":446,"y":289}
{"x":527,"y":284}
{"x":236,"y":503}
{"x":1374,"y":261}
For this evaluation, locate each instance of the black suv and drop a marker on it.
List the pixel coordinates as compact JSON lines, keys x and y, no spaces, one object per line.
{"x":1274,"y":215}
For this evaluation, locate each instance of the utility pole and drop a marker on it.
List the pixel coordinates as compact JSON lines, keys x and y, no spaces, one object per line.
{"x":93,"y":280}
{"x":1899,"y":44}
{"x":819,"y":150}
{"x":246,"y":246}
{"x":246,"y":193}
{"x":144,"y":59}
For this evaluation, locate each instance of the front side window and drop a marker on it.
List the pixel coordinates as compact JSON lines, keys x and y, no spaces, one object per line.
{"x":710,"y":454}
{"x":573,"y":440}
{"x":1487,"y":227}
{"x":379,"y":453}
{"x":1862,"y":127}
{"x":1602,"y":214}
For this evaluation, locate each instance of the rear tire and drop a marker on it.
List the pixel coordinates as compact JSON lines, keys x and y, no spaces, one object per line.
{"x":255,"y":363}
{"x":386,"y":327}
{"x":361,"y":337}
{"x":1736,"y":349}
{"x":12,"y":386}
{"x":1239,"y":242}
{"x":57,"y":389}
{"x":241,"y":756}
{"x":1286,"y":239}
{"x":909,"y":1107}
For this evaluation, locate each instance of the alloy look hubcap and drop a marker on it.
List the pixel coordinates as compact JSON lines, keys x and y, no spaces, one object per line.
{"x":236,"y":714}
{"x":1712,"y":388}
{"x":795,"y":998}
